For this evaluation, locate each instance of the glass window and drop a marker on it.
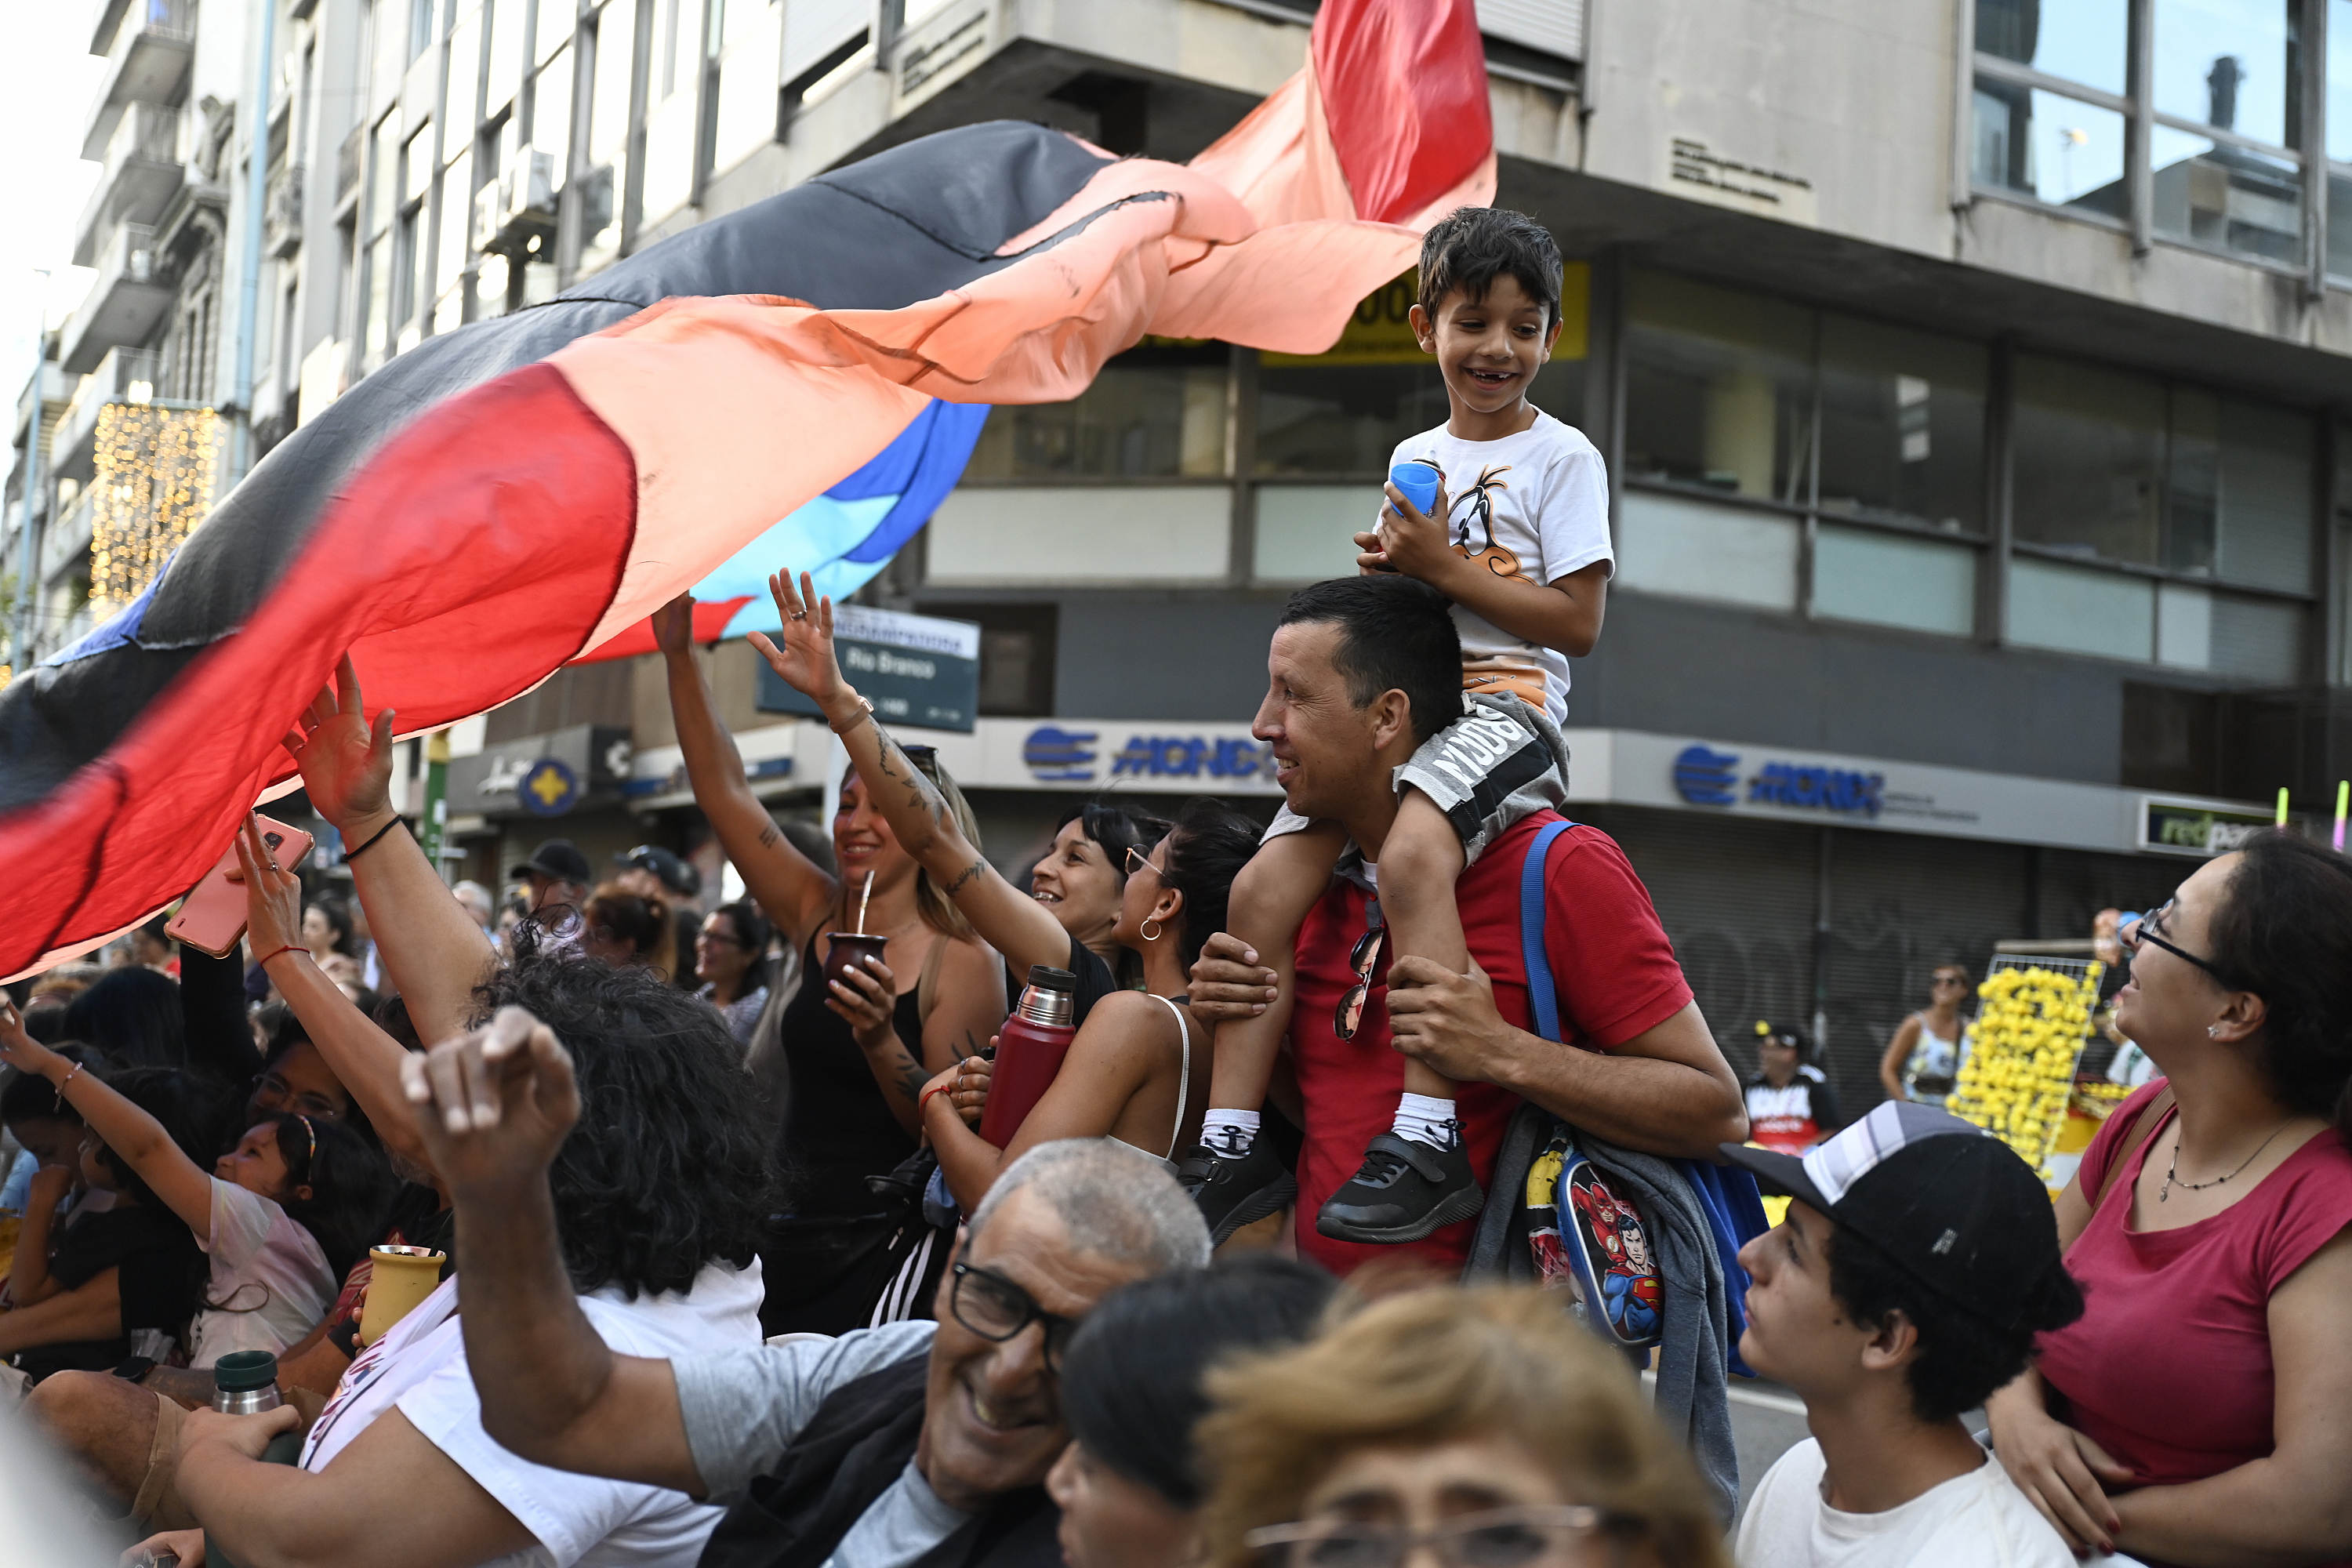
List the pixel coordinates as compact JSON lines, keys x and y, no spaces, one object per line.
{"x":1719,"y":389}
{"x":1902,"y":423}
{"x":2074,"y":609}
{"x":2234,"y":64}
{"x":1308,"y":532}
{"x":2266,"y":501}
{"x":384,"y":176}
{"x":1151,"y":413}
{"x":616,"y":42}
{"x":2258,"y":639}
{"x":2339,"y":211}
{"x":550,"y":116}
{"x":2225,"y":197}
{"x":1697,"y":550}
{"x":2339,"y":83}
{"x":2083,"y":40}
{"x":1894,"y":580}
{"x":1080,"y":533}
{"x":2054,"y":149}
{"x":375,"y":334}
{"x":2088,"y":453}
{"x":2184,"y":625}
{"x":1342,"y":419}
{"x":556,"y":21}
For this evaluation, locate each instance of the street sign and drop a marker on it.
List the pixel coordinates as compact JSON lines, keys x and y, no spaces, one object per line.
{"x":2202,"y":827}
{"x":917,"y":670}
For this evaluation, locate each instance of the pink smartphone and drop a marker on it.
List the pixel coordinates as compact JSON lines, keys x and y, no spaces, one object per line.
{"x":212,"y":917}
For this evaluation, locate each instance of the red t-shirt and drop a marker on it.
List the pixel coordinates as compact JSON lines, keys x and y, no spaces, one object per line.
{"x":1613,"y":969}
{"x":2195,"y":1302}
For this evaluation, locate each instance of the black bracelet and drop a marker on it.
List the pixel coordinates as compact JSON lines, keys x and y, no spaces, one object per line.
{"x":352,"y":855}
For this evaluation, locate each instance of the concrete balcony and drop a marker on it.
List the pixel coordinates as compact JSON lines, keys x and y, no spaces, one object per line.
{"x":123,"y":307}
{"x":124,"y":376}
{"x":146,"y":63}
{"x":143,"y":172}
{"x":65,"y":543}
{"x":52,"y":391}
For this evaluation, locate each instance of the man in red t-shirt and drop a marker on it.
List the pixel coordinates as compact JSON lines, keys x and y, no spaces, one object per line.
{"x":1639,"y":1066}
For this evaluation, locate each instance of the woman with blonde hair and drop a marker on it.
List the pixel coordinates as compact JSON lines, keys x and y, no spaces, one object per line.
{"x":1483,"y":1424}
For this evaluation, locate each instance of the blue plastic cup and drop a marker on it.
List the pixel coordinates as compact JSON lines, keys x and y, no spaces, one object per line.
{"x":1418,"y":483}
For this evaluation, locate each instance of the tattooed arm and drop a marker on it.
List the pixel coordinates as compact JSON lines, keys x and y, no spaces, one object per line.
{"x":795,"y":892}
{"x":1010,"y":921}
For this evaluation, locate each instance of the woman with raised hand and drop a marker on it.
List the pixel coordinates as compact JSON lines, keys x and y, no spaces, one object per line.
{"x":1070,"y":917}
{"x":2195,"y":1413}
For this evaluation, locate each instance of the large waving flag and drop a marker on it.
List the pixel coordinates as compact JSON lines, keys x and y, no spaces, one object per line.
{"x":803,"y":377}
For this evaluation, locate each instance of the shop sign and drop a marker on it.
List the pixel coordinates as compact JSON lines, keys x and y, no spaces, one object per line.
{"x":548,"y":789}
{"x":917,"y":670}
{"x":1220,"y":757}
{"x":2195,"y":828}
{"x":1704,"y":777}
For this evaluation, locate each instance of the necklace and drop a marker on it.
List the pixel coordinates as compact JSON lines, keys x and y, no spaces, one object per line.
{"x":2174,"y":1164}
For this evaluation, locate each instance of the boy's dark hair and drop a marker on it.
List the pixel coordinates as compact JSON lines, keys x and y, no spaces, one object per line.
{"x":1207,"y":849}
{"x":668,"y":1169}
{"x":2285,"y":932}
{"x":352,"y":1186}
{"x":29,"y":1097}
{"x":190,"y":1108}
{"x":1396,"y":634}
{"x":1132,"y":1387}
{"x":1468,"y":250}
{"x":1962,"y":1357}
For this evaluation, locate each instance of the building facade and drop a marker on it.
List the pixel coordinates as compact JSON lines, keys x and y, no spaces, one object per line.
{"x":1973,"y":376}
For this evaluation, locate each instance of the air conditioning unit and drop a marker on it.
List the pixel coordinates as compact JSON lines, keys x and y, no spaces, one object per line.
{"x":517,"y":206}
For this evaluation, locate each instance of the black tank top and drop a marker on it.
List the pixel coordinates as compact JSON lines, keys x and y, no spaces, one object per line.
{"x":838,"y":1129}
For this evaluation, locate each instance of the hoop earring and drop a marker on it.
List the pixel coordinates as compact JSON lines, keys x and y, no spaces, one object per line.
{"x":1149,"y":934}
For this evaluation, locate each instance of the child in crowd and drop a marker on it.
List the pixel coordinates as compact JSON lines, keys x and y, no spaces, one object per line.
{"x":1918,"y":1261}
{"x":284,"y":1212}
{"x":1517,"y":537}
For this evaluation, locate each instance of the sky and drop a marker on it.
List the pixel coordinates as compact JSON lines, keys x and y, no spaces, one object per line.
{"x":47,"y":78}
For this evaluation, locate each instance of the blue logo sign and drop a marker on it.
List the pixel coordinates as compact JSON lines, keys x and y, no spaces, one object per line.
{"x":1059,"y":755}
{"x":548,"y":788}
{"x":1707,"y":778}
{"x":1190,"y":756}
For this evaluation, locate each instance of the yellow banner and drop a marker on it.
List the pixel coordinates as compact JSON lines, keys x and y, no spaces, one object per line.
{"x":1381,"y":331}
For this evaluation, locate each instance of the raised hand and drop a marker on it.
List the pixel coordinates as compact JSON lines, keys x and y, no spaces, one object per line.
{"x":805,"y":657}
{"x":19,"y":1049}
{"x":273,"y":896}
{"x":346,"y":762}
{"x":494,"y":1104}
{"x":674,"y":626}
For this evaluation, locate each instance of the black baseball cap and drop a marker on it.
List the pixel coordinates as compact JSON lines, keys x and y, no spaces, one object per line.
{"x":667,"y":869}
{"x":1955,"y":1208}
{"x":559,"y":858}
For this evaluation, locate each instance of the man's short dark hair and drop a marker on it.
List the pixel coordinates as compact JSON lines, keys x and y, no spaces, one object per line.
{"x":1962,"y":1356}
{"x":668,"y":1169}
{"x":1468,"y":250}
{"x":1396,"y":634}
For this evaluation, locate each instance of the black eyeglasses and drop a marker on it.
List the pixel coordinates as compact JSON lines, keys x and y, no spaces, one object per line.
{"x":996,"y":1309}
{"x":1495,"y":1538}
{"x":1364,"y":959}
{"x":2131,"y":933}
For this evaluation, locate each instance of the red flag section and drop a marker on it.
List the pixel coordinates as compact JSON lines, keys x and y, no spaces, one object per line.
{"x":1404,"y":94}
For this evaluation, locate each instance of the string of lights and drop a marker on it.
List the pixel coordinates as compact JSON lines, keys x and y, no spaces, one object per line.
{"x":154,"y":484}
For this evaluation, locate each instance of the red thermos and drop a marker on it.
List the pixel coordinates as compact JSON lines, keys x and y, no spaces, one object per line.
{"x":1029,"y":1051}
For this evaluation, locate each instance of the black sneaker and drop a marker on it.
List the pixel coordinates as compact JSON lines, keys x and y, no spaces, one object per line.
{"x":1404,"y":1191}
{"x":1235,"y":1190}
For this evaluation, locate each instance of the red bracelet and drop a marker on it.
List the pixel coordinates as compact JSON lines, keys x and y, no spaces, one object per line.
{"x":935,"y":1089}
{"x":290,"y":947}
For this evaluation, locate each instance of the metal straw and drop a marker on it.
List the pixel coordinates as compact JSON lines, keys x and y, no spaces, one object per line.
{"x":861,"y":902}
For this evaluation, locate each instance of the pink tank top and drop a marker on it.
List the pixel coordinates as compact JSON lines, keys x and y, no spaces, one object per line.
{"x":2194,"y":1301}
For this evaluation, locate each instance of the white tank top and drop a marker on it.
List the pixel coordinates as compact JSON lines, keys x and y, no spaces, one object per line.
{"x":1183,"y":1090}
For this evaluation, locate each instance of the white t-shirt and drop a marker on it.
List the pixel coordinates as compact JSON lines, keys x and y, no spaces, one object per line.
{"x":1533,"y":506}
{"x":269,"y":1280}
{"x":1977,"y":1520}
{"x":420,"y":1368}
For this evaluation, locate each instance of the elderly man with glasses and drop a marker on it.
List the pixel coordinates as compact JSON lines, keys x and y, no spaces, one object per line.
{"x":917,"y":1442}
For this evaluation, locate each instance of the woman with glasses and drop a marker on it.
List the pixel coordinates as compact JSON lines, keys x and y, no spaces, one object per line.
{"x":731,"y":960}
{"x":2195,"y":1413}
{"x":855,"y":1047}
{"x":1468,"y":1429}
{"x":1923,"y":1060}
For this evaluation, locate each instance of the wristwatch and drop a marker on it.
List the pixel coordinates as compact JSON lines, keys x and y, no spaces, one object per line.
{"x":134,"y":1367}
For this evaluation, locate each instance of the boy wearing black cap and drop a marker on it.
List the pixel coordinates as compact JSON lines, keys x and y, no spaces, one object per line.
{"x":1918,"y":1261}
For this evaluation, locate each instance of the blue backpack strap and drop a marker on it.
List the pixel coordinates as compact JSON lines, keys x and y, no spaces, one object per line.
{"x":1543,"y":1000}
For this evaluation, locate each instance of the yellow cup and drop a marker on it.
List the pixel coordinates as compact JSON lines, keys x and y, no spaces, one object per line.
{"x":401,"y":1277}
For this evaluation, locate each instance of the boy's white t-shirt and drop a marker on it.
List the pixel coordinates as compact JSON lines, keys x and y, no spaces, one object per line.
{"x":420,"y":1369}
{"x":1977,"y":1520}
{"x":1533,"y":506}
{"x":271,"y":1284}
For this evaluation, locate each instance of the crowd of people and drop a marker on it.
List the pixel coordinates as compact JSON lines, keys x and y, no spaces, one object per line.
{"x":748,"y":1277}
